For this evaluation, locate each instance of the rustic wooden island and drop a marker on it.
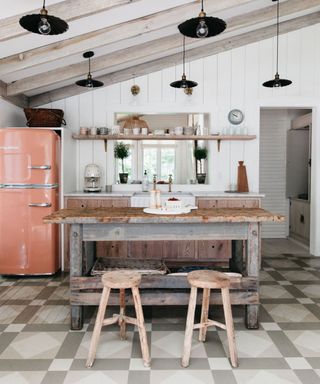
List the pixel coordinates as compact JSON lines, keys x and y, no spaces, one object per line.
{"x":121,"y":224}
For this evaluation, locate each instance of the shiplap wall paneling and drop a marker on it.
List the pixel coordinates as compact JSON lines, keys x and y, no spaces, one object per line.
{"x":100,"y":120}
{"x":168,"y":93}
{"x":237,"y":100}
{"x":10,"y":115}
{"x":222,"y":170}
{"x":196,"y":74}
{"x":155,"y":88}
{"x":307,"y":59}
{"x":71,"y":150}
{"x":86,"y":147}
{"x":267,"y":67}
{"x":210,"y":80}
{"x":293,"y":63}
{"x":252,"y":113}
{"x":274,"y":124}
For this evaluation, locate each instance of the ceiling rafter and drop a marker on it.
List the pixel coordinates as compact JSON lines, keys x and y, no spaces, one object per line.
{"x":70,"y":10}
{"x":92,"y":40}
{"x":148,"y":50}
{"x":196,"y":53}
{"x":21,"y":101}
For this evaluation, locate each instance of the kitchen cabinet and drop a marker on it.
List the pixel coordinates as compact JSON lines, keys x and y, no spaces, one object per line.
{"x":300,"y":220}
{"x":175,"y":253}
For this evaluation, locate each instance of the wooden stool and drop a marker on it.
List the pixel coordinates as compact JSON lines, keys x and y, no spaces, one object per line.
{"x":120,"y":280}
{"x":208,"y":280}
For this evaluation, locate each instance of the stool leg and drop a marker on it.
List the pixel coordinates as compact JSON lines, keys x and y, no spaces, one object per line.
{"x":189,"y":327}
{"x":229,"y":326}
{"x":97,"y":326}
{"x":141,"y":327}
{"x":122,"y":323}
{"x":204,"y":313}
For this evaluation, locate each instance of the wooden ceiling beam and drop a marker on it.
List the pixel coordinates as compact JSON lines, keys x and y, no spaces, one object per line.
{"x":148,"y":51}
{"x":21,"y":101}
{"x":69,"y":10}
{"x":102,"y":37}
{"x":193,"y":54}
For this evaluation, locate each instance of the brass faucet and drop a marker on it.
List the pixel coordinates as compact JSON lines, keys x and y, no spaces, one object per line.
{"x":170,"y":182}
{"x":154,"y":182}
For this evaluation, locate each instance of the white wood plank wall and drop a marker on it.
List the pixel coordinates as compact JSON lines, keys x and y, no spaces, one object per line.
{"x":231,"y":79}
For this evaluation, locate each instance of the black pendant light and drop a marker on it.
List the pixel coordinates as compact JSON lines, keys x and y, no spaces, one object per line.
{"x":184,"y":83}
{"x":202,"y":26}
{"x":89,"y":82}
{"x":277,"y":82}
{"x":43,"y":23}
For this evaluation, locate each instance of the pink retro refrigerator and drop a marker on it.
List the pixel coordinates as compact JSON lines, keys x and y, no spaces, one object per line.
{"x":29,"y":185}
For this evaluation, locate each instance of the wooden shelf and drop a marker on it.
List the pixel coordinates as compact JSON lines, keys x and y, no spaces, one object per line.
{"x":218,"y":138}
{"x":163,"y":137}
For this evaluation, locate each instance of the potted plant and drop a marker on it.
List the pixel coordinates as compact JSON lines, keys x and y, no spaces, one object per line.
{"x":121,"y":151}
{"x":200,"y":153}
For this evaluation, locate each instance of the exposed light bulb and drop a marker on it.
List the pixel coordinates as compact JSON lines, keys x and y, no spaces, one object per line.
{"x":89,"y":83}
{"x":202,"y":29}
{"x":44,"y":27}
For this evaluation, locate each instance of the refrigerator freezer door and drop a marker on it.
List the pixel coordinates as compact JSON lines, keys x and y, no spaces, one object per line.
{"x":27,"y":245}
{"x":29,"y":156}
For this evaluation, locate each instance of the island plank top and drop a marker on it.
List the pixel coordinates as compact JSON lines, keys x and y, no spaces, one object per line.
{"x":136,"y":215}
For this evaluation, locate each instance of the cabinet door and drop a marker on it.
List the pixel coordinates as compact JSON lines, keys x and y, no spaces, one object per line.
{"x":214,"y":249}
{"x":207,"y":203}
{"x":238,"y":203}
{"x":300,"y":220}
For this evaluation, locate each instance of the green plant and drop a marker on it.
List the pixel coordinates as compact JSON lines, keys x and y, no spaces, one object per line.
{"x":121,"y":151}
{"x":200,"y":153}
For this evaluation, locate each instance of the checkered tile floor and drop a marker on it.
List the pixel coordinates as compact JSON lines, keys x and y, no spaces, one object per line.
{"x":36,"y":345}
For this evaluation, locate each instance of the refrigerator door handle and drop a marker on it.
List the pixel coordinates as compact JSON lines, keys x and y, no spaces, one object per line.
{"x":40,"y":205}
{"x":43,"y":167}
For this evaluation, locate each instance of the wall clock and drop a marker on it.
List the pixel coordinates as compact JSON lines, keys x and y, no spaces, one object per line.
{"x":235,"y":116}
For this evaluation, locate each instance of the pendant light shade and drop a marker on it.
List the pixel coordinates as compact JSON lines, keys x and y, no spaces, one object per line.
{"x":89,"y":82}
{"x":43,"y":24}
{"x":277,"y":82}
{"x":202,"y":26}
{"x":184,"y":83}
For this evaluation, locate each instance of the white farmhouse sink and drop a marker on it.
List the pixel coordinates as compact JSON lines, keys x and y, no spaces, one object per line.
{"x":142,"y":199}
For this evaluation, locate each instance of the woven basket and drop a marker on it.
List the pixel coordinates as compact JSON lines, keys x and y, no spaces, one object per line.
{"x":143,"y":266}
{"x":44,"y":117}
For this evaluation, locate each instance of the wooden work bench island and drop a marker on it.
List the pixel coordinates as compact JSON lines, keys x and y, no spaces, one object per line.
{"x":241,"y":225}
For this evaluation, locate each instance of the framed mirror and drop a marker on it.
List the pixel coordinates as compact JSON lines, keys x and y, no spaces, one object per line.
{"x":161,"y":154}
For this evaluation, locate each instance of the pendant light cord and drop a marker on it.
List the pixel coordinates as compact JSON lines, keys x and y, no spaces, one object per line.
{"x":201,"y":5}
{"x":184,"y":54}
{"x":44,"y":4}
{"x":89,"y":66}
{"x":278,"y":34}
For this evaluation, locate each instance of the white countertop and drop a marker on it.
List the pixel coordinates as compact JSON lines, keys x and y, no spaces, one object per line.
{"x":209,"y":194}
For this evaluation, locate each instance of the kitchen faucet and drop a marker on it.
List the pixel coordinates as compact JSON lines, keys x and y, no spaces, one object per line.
{"x":170,"y":182}
{"x":154,"y":182}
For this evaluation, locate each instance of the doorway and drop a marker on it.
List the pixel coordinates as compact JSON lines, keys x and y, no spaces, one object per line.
{"x":285,"y":161}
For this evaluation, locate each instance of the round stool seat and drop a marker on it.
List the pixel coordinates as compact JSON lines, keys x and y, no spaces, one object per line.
{"x":208,"y":279}
{"x":121,"y":279}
